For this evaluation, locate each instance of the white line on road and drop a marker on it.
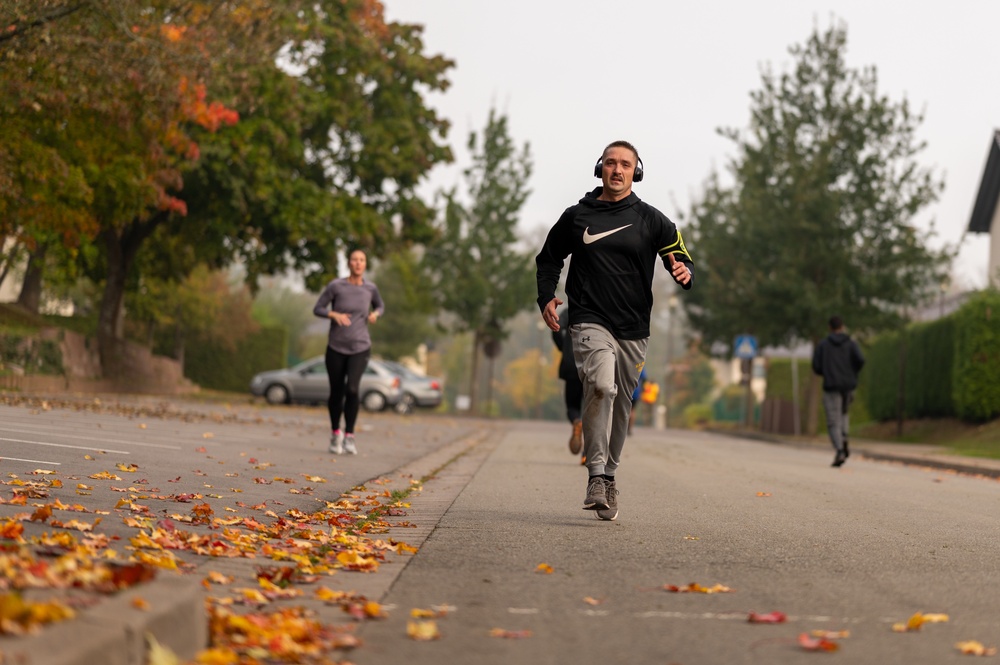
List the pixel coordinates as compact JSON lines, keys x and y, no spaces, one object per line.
{"x":65,"y":445}
{"x":94,"y":438}
{"x":33,"y":461}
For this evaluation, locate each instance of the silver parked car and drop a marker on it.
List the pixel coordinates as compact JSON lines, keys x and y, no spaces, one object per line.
{"x":418,"y":390}
{"x":308,"y":382}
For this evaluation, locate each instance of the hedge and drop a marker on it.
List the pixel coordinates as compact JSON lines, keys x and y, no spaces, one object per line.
{"x":977,"y":357}
{"x":213,"y":366}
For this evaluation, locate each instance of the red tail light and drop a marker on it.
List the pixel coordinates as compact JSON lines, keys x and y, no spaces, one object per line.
{"x":435,"y":385}
{"x":395,"y":382}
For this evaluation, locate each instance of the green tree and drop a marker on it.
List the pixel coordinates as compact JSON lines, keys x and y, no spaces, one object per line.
{"x":480,"y":278}
{"x":819,"y":218}
{"x":409,"y":305}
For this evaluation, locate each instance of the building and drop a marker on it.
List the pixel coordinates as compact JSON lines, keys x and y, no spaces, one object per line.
{"x":986,"y":212}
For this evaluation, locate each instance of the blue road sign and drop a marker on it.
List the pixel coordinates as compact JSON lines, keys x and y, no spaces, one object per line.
{"x":745,"y":347}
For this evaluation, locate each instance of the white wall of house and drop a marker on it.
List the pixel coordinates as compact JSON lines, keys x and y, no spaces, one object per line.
{"x":994,"y":262}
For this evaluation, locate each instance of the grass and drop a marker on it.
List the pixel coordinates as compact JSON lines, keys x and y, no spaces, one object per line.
{"x":970,"y":439}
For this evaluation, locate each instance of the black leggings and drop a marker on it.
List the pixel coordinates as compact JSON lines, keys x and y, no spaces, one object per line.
{"x":345,"y":385}
{"x":574,"y":398}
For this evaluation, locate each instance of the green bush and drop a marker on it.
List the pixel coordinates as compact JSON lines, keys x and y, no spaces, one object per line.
{"x":23,"y":348}
{"x":977,"y":358}
{"x":697,"y":415}
{"x":213,"y":366}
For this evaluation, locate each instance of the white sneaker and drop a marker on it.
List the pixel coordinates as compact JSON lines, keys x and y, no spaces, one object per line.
{"x":336,"y":443}
{"x":349,"y":446}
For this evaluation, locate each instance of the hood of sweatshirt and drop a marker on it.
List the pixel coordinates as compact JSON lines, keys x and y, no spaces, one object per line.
{"x":838,"y":338}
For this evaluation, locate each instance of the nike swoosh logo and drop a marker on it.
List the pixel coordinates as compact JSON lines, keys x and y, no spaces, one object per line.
{"x":587,"y":238}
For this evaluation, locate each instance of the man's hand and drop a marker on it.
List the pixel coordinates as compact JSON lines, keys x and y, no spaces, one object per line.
{"x":678,"y":270}
{"x":550,"y":316}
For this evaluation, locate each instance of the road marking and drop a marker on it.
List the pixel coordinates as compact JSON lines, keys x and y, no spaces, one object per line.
{"x":65,"y":445}
{"x":94,"y":438}
{"x":33,"y":461}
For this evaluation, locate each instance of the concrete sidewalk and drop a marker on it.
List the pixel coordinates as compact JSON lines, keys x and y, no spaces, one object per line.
{"x":913,"y":454}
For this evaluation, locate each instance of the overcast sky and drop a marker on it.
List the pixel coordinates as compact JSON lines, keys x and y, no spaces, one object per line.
{"x":573,"y":75}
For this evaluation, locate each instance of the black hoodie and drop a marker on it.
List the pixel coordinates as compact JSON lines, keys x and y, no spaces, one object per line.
{"x":838,"y":360}
{"x":614,"y":246}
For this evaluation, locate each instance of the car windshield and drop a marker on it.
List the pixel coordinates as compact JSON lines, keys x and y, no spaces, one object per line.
{"x":402,"y":370}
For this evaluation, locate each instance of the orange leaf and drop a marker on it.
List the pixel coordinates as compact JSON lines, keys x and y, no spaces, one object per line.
{"x":816,"y":644}
{"x":544,"y":568}
{"x":697,"y":588}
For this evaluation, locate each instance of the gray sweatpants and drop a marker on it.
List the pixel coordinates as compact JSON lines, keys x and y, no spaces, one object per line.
{"x":609,"y":369}
{"x":837,"y":422}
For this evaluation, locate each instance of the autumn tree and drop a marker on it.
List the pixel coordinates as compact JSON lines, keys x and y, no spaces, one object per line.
{"x":335,"y":135}
{"x":819,"y":216}
{"x":480,"y":277}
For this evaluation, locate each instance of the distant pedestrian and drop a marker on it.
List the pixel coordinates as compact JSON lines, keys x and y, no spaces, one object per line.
{"x":573,"y":390}
{"x":838,"y":360}
{"x":615,"y":240}
{"x":636,"y":394}
{"x":351,"y":303}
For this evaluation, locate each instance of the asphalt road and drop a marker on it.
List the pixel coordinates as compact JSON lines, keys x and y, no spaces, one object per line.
{"x":857,"y":548}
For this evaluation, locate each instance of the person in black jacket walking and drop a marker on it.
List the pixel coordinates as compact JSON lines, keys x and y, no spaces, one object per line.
{"x":838,"y":360}
{"x":615,"y":239}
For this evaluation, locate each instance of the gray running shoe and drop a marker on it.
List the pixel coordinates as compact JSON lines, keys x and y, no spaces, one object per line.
{"x":611,"y":512}
{"x":349,"y":446}
{"x":336,"y":443}
{"x":597,"y":497}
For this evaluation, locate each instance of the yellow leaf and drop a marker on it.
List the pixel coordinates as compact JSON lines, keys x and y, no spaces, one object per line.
{"x":140,"y":603}
{"x":974,"y":648}
{"x":422,"y":631}
{"x":544,"y":568}
{"x":157,"y":654}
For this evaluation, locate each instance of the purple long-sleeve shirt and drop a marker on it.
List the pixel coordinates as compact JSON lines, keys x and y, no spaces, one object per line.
{"x":358,"y":302}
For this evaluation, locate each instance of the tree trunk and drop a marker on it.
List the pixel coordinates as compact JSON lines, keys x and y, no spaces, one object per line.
{"x":474,"y":376}
{"x":109,"y":327}
{"x":179,"y":346}
{"x":30,"y":297}
{"x":121,"y":248}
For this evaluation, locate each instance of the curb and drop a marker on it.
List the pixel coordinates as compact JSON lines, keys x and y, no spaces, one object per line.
{"x":114,"y":632}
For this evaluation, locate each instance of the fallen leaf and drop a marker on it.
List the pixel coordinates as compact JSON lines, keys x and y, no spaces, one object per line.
{"x":770,"y":617}
{"x":697,"y":588}
{"x":593,"y":601}
{"x":831,"y":634}
{"x":157,"y":654}
{"x":917,"y":621}
{"x":140,"y":604}
{"x":974,"y":648}
{"x":422,"y":631}
{"x":510,"y":634}
{"x":544,"y":568}
{"x":763,"y":494}
{"x":816,"y":644}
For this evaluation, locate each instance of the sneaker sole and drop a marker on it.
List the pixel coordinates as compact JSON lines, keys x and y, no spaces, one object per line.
{"x":596,"y":505}
{"x":605,"y":516}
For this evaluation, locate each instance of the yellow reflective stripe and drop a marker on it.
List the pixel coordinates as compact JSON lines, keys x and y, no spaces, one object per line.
{"x":680,"y":248}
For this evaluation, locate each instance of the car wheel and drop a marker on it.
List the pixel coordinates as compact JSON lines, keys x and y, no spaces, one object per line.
{"x":276,"y":394}
{"x":407,"y":404}
{"x":373,"y":401}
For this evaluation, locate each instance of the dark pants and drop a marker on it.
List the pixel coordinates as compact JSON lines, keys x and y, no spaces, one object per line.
{"x":345,"y":385}
{"x":574,"y":398}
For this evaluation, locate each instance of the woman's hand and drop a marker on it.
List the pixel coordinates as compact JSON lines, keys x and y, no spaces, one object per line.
{"x":340,"y":318}
{"x":373,"y":317}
